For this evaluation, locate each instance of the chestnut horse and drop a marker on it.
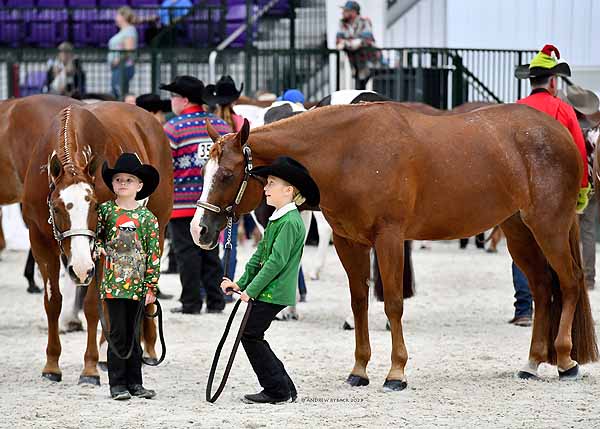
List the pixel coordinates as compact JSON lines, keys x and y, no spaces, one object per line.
{"x":78,"y":140}
{"x":427,"y":178}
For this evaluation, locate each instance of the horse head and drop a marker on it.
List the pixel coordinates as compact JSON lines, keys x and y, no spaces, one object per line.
{"x":229,"y":189}
{"x":72,"y":199}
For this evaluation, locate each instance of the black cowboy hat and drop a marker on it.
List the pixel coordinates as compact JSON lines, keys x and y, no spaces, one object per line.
{"x":223,"y":92}
{"x":130,"y":163}
{"x":294,"y":173}
{"x":187,"y":86}
{"x":153,"y":103}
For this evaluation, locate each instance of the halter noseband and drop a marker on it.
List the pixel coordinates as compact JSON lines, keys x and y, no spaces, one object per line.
{"x":59,"y":236}
{"x":230,"y":209}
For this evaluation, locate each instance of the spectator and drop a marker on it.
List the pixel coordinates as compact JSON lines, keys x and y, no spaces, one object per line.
{"x":355,"y":36}
{"x":585,"y":102}
{"x":157,"y":106}
{"x":65,"y":75}
{"x":190,"y":144}
{"x":121,"y":63}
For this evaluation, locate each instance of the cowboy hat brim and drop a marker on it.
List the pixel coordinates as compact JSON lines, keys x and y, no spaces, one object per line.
{"x":212,"y":99}
{"x":147,"y":174}
{"x":174,"y":88}
{"x":294,"y":176}
{"x":524,"y":72}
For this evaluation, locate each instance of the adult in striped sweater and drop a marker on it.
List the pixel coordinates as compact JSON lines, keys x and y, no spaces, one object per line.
{"x":199,"y":270}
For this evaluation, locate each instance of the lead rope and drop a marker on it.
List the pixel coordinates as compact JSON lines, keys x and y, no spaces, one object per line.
{"x":209,"y":397}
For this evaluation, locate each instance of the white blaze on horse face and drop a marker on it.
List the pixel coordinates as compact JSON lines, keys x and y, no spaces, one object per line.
{"x":210,"y":170}
{"x":74,"y":199}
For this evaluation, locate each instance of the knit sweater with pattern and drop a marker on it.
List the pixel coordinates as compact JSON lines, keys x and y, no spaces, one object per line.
{"x":190,"y":145}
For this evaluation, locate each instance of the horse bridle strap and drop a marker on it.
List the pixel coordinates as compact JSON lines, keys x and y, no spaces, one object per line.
{"x":59,"y":236}
{"x":230,"y":209}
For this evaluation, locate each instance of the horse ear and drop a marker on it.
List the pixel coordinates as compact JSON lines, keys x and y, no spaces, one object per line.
{"x":214,"y":135}
{"x":93,"y":166}
{"x":55,"y":168}
{"x":244,"y":132}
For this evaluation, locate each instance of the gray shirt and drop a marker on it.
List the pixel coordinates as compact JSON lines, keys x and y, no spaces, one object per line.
{"x":117,"y":43}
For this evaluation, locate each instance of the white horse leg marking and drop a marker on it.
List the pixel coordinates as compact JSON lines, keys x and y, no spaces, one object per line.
{"x":69,"y":314}
{"x":74,"y":198}
{"x":48,"y":289}
{"x":209,"y":170}
{"x":325,"y":233}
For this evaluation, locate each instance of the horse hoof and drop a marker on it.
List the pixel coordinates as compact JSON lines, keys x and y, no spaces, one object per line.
{"x":570,"y":374}
{"x":357,"y":380}
{"x":150,"y":361}
{"x":347,"y":327}
{"x":33,"y":288}
{"x":524,"y":375}
{"x":388,"y":327}
{"x":394,"y":385}
{"x":103,"y":366}
{"x":491,"y":251}
{"x":94,"y":380}
{"x":52,"y":376}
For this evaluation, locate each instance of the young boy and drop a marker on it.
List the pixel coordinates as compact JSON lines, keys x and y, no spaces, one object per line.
{"x":127,"y":236}
{"x":271,"y":275}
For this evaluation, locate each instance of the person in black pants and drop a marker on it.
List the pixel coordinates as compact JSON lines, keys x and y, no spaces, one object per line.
{"x":200,"y":270}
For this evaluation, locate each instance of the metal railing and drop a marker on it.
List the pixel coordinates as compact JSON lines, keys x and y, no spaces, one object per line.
{"x":23,"y":71}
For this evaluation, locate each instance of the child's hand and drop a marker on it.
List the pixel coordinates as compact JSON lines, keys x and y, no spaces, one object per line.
{"x":150,"y":298}
{"x":226,"y":283}
{"x":99,"y":251}
{"x":244,"y":297}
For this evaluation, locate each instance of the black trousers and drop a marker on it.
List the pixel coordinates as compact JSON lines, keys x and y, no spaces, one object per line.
{"x":198,"y":269}
{"x":271,"y":373}
{"x":122,"y":314}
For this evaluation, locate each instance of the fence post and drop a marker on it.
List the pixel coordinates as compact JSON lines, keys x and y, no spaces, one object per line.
{"x":519,"y":80}
{"x":248,"y":50}
{"x":292,"y":44}
{"x":154,"y":71}
{"x":12,"y":75}
{"x":458,"y":90}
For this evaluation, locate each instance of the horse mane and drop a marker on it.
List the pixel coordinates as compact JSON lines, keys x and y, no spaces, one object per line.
{"x":67,"y":147}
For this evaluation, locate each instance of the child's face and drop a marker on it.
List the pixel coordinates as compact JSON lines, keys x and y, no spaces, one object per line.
{"x":278,"y":192}
{"x":126,"y":185}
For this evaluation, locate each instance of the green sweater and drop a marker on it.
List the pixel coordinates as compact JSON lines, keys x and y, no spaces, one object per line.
{"x":271,"y":275}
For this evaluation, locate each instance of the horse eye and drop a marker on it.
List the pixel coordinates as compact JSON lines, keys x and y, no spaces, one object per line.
{"x":69,"y":206}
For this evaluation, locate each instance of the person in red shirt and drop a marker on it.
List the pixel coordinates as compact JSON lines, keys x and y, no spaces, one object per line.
{"x":543,"y":72}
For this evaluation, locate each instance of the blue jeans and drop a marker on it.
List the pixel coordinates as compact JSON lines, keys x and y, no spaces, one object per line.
{"x":115,"y":80}
{"x":523,"y":301}
{"x":301,"y":283}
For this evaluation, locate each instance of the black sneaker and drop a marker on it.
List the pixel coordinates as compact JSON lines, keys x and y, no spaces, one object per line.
{"x":119,"y":393}
{"x":140,"y":391}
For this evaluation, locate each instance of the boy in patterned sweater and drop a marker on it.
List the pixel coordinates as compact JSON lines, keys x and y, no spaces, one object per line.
{"x":271,"y":276}
{"x":128,"y":238}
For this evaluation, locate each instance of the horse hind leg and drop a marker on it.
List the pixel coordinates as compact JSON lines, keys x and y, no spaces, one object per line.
{"x":355,"y":259}
{"x":324,"y":237}
{"x":528,"y":256}
{"x":149,"y":336}
{"x":389,"y":246}
{"x":575,"y":338}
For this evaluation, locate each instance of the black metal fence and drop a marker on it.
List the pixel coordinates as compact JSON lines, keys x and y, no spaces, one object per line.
{"x":24,"y":71}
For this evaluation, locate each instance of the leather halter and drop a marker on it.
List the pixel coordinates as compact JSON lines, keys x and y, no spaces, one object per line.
{"x":230,"y":209}
{"x":59,"y":236}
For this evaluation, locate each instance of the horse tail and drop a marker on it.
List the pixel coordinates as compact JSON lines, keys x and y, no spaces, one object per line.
{"x":585,"y":346}
{"x":583,"y":334}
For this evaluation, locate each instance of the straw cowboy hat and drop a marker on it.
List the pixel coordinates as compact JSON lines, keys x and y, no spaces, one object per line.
{"x":130,"y":163}
{"x":582,"y":100}
{"x":294,"y":173}
{"x":545,"y":63}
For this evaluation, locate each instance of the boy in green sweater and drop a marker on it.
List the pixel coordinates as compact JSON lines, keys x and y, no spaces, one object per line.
{"x":271,"y":274}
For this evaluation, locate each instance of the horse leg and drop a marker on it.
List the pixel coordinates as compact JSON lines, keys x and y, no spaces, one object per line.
{"x":69,"y":319}
{"x":90,"y":374}
{"x":355,"y":259}
{"x":575,"y":339}
{"x":149,"y":336}
{"x":324,"y":237}
{"x":49,"y":267}
{"x":529,"y":258}
{"x":389,"y":246}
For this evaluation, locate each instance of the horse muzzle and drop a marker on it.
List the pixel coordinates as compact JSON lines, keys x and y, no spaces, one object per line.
{"x":81,"y":280}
